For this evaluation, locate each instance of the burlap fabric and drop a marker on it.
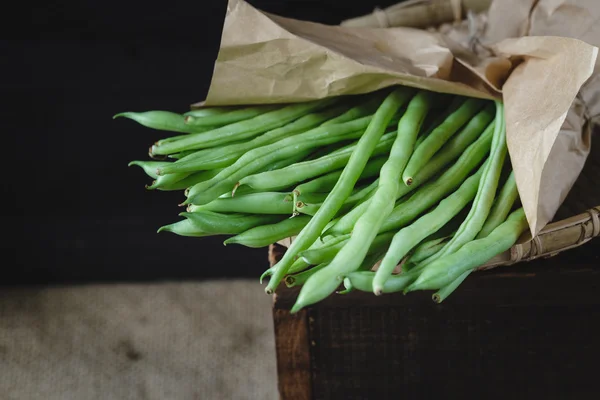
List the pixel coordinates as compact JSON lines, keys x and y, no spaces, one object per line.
{"x":205,"y":340}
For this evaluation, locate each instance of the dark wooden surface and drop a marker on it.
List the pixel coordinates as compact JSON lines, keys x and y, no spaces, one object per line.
{"x":523,"y":331}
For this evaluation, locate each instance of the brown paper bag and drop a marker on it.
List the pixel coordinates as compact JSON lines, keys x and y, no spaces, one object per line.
{"x":265,"y":58}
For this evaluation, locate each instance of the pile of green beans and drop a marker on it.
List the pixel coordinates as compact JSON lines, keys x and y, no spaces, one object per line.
{"x":398,"y":190}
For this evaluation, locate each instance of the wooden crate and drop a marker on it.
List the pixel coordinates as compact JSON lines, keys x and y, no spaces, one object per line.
{"x":522,"y":331}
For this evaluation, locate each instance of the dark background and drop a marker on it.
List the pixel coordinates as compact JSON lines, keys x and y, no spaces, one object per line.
{"x":72,"y":210}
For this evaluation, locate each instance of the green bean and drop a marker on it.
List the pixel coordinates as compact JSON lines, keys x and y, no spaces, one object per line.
{"x":300,"y":278}
{"x":485,"y":193}
{"x":230,"y":117}
{"x":149,"y":167}
{"x":440,"y":135}
{"x":502,"y":206}
{"x":410,"y":236}
{"x":184,"y":227}
{"x":173,"y":182}
{"x":256,"y":159}
{"x":211,"y":110}
{"x":241,"y":130}
{"x":254,"y":203}
{"x":344,"y":185}
{"x":226,"y":155}
{"x":227,"y":224}
{"x":264,"y":235}
{"x":469,"y":155}
{"x":325,"y":183}
{"x":161,"y":120}
{"x":296,"y":173}
{"x":350,"y":256}
{"x":447,"y":290}
{"x":447,"y":269}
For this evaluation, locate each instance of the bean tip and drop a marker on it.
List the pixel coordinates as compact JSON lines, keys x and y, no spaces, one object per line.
{"x":188,"y":119}
{"x":295,"y":308}
{"x":408,"y":181}
{"x":377,"y":290}
{"x":237,"y":185}
{"x":436,"y":298}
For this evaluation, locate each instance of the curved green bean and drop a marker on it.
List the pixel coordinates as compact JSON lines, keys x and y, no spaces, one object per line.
{"x":211,"y":110}
{"x":241,"y":130}
{"x":160,"y":120}
{"x":502,"y":206}
{"x":149,"y":167}
{"x":253,"y":203}
{"x":447,"y":290}
{"x":225,"y":224}
{"x":345,"y":184}
{"x":440,"y":135}
{"x":447,"y":269}
{"x":264,"y":235}
{"x":173,"y":182}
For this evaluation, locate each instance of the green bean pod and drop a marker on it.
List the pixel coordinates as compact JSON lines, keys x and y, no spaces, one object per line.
{"x":363,"y":280}
{"x":440,"y":135}
{"x":174,"y":182}
{"x":149,"y":167}
{"x":300,"y":278}
{"x":254,"y":203}
{"x":447,"y":269}
{"x":447,"y":290}
{"x":502,"y":206}
{"x":228,"y":224}
{"x":264,"y":235}
{"x":241,"y":130}
{"x":410,"y":236}
{"x":226,"y":155}
{"x":343,"y":188}
{"x":233,"y":116}
{"x":161,"y":120}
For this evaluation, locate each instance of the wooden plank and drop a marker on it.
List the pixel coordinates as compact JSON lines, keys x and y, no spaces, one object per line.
{"x":293,"y":354}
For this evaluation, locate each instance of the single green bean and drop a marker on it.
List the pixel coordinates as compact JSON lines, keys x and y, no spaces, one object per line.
{"x":440,"y":135}
{"x":351,"y":255}
{"x":264,"y":235}
{"x":254,"y":203}
{"x":300,"y":278}
{"x":359,"y":158}
{"x":226,"y":155}
{"x":363,"y":280}
{"x":299,"y":172}
{"x":447,"y":290}
{"x":479,"y":130}
{"x":447,"y":269}
{"x":243,"y":129}
{"x":485,"y":193}
{"x":426,"y":249}
{"x":174,"y":182}
{"x":502,"y":206}
{"x":228,"y":224}
{"x":149,"y":167}
{"x":230,"y":117}
{"x":410,"y":236}
{"x":161,"y":120}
